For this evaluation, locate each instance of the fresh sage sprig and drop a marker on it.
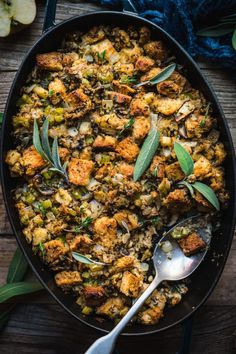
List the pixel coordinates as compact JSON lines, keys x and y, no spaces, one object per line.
{"x":187,"y":166}
{"x":48,"y":153}
{"x":83,"y":259}
{"x":226,"y":25}
{"x":146,"y":153}
{"x":162,"y":76}
{"x":184,"y":158}
{"x":16,"y":273}
{"x":101,"y":56}
{"x":9,"y":291}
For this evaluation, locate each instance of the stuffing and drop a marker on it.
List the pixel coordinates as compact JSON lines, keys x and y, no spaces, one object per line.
{"x":49,"y":61}
{"x":78,"y":104}
{"x":150,"y":316}
{"x":105,"y":230}
{"x":197,"y":125}
{"x":157,"y":167}
{"x":110,"y":54}
{"x":125,"y":169}
{"x":128,"y":149}
{"x":174,"y":172}
{"x":111,"y":308}
{"x":55,"y":252}
{"x":123,"y":263}
{"x":168,"y":88}
{"x":119,"y":98}
{"x":144,"y":64}
{"x":81,"y":243}
{"x":192,"y":244}
{"x":110,"y":123}
{"x":32,"y":161}
{"x":79,"y":171}
{"x":130,"y":284}
{"x":94,"y":295}
{"x":68,"y":279}
{"x":105,"y":142}
{"x":202,"y":168}
{"x":139,"y":107}
{"x":40,"y":234}
{"x":63,"y":197}
{"x":220,"y":154}
{"x":130,"y":55}
{"x":141,"y":127}
{"x":122,"y":88}
{"x":156,"y":50}
{"x":217,"y":181}
{"x":166,"y":105}
{"x":150,"y":74}
{"x":95,"y":34}
{"x":56,"y":91}
{"x":130,"y":219}
{"x":177,"y":201}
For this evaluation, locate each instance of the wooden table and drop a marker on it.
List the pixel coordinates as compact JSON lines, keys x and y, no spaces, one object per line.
{"x":39,"y":325}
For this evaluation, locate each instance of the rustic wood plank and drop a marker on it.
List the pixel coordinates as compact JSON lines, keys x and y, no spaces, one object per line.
{"x":52,"y":331}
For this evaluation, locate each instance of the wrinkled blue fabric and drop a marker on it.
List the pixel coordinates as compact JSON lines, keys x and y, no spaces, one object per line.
{"x":181,"y":19}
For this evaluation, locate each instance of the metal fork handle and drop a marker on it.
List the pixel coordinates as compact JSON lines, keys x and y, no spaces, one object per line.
{"x":106,"y":344}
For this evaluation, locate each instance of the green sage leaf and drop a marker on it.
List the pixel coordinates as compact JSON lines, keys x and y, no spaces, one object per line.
{"x":17,"y":268}
{"x":184,"y":158}
{"x":55,"y":154}
{"x":216,"y":30}
{"x":234,"y":39}
{"x":208,"y":193}
{"x":146,"y":153}
{"x":83,"y":259}
{"x":37,"y":142}
{"x":9,"y":291}
{"x":162,"y":76}
{"x":188,"y":185}
{"x":45,"y":141}
{"x":1,"y":117}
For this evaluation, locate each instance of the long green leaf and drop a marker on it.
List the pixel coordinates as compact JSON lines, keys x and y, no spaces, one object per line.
{"x":37,"y":142}
{"x":55,"y":155}
{"x":146,"y":153}
{"x":208,"y":193}
{"x":234,"y":39}
{"x":162,"y":76}
{"x":17,"y":268}
{"x":1,"y":117}
{"x":188,"y":185}
{"x":185,"y":160}
{"x":45,"y":141}
{"x":216,"y":30}
{"x":9,"y":291}
{"x":83,"y":259}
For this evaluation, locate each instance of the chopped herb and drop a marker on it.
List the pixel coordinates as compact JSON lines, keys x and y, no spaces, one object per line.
{"x":128,"y":79}
{"x":153,"y":221}
{"x":42,"y":209}
{"x":41,"y":248}
{"x":203,"y":121}
{"x":84,"y":225}
{"x":127,"y":126}
{"x":50,"y":93}
{"x":155,"y":171}
{"x":101,"y":56}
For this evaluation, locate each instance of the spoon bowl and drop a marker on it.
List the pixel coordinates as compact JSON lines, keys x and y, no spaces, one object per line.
{"x":172,"y":265}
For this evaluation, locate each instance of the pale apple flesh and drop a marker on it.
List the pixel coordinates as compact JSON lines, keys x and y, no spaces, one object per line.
{"x":16,"y":14}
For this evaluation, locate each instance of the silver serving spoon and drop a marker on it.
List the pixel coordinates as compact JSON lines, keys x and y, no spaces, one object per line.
{"x":173,"y":268}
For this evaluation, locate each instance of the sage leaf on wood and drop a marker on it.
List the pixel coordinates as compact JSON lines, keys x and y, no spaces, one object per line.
{"x":11,"y":290}
{"x":83,"y":259}
{"x":162,"y":76}
{"x":188,"y":185}
{"x":216,"y":30}
{"x":17,"y":268}
{"x":234,"y":39}
{"x":184,"y":158}
{"x":208,"y":193}
{"x":146,"y":153}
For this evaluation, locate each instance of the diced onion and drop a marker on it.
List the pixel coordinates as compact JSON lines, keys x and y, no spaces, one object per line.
{"x":89,"y":58}
{"x":166,"y":247}
{"x":166,"y":152}
{"x":144,"y":266}
{"x":72,"y":131}
{"x":92,"y":184}
{"x":85,"y":128}
{"x":96,"y":208}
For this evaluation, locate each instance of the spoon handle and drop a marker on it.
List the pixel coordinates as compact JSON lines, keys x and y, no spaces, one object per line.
{"x":105,"y":344}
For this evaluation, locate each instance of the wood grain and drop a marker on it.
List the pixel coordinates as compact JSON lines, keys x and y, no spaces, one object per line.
{"x":38,"y":325}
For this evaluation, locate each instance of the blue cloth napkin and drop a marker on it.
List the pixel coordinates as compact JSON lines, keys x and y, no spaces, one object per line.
{"x":182,"y":18}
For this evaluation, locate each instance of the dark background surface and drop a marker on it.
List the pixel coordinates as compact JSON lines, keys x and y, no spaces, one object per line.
{"x":39,"y":325}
